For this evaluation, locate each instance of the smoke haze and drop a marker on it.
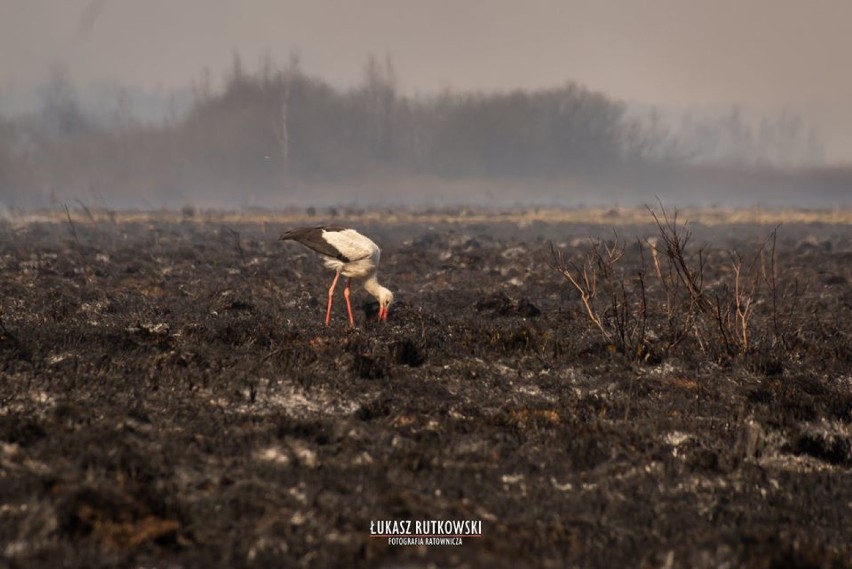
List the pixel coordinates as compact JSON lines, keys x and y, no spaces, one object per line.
{"x":778,"y":65}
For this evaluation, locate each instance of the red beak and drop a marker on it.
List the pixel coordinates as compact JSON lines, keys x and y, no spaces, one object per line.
{"x":383,"y":313}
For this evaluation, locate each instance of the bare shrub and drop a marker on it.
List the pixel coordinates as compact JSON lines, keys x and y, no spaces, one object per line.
{"x":614,"y":301}
{"x":725,"y":304}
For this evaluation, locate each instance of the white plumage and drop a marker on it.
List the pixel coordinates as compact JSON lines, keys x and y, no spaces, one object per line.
{"x":363,"y":253}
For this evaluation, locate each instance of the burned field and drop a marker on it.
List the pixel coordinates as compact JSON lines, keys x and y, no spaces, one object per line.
{"x":170,"y":397}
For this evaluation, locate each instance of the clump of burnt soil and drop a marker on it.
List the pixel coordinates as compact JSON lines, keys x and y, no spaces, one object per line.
{"x":170,"y":398}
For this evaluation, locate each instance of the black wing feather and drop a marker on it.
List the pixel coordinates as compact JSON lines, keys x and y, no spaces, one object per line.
{"x":311,"y":237}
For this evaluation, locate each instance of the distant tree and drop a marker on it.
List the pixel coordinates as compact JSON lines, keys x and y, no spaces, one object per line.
{"x":7,"y":162}
{"x":61,"y":112}
{"x":528,"y":133}
{"x":733,"y":139}
{"x":379,"y":100}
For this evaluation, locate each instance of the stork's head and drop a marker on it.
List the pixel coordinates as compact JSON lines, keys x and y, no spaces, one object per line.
{"x":385,"y":298}
{"x":383,"y":295}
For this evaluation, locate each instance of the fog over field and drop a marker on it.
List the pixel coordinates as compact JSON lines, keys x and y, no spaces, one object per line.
{"x":279,"y":104}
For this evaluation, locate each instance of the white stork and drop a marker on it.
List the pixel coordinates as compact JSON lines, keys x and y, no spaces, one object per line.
{"x":347,"y":253}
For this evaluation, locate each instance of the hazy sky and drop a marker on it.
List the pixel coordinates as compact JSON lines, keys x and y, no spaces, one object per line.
{"x":762,"y":54}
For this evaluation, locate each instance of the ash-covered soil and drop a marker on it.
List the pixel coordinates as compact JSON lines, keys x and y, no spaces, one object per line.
{"x":169,"y":397}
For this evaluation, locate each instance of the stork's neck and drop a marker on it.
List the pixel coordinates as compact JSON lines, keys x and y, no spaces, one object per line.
{"x":372,"y":286}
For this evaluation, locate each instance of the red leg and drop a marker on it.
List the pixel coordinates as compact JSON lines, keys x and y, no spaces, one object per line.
{"x":330,"y":297}
{"x":348,"y":306}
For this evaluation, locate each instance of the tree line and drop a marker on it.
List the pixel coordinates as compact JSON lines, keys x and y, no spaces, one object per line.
{"x":278,"y":130}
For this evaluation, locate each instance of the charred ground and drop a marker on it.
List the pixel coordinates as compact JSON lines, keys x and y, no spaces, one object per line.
{"x":170,"y":398}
